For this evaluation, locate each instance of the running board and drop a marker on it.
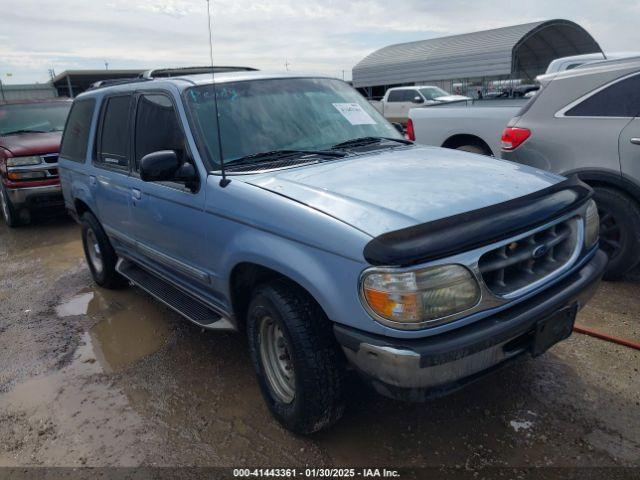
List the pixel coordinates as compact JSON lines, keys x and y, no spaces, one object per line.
{"x":186,"y":305}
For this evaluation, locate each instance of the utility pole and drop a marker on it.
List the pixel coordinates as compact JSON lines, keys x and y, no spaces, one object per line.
{"x":2,"y":90}
{"x":343,"y":75}
{"x":286,"y":64}
{"x":106,"y":65}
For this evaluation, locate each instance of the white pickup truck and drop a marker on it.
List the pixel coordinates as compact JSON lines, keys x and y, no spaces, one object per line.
{"x":473,"y":126}
{"x":397,"y":101}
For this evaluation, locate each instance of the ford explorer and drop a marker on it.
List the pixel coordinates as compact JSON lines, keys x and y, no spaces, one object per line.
{"x":287,"y":208}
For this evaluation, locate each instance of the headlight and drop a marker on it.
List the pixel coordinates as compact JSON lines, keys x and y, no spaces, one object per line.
{"x":591,"y":225}
{"x":414,"y":297}
{"x":23,"y":161}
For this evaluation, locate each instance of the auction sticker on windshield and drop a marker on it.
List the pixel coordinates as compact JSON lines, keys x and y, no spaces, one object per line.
{"x":354,"y":113}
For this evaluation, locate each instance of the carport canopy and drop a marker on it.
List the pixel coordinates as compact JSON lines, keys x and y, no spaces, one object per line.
{"x":73,"y":82}
{"x":519,"y":51}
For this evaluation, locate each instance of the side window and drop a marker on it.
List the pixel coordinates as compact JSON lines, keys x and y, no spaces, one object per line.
{"x":622,"y":99}
{"x":409,"y":95}
{"x":114,"y":133}
{"x":396,"y":96}
{"x":76,"y":132}
{"x":157,"y":127}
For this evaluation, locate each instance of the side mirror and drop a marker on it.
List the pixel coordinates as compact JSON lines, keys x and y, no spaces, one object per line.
{"x":188,"y":175}
{"x":417,"y":99}
{"x":159,"y":166}
{"x":398,"y":126}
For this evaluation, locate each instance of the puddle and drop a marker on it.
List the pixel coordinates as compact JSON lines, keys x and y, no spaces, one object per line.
{"x":126,"y":337}
{"x":130,"y":325}
{"x":77,"y":305}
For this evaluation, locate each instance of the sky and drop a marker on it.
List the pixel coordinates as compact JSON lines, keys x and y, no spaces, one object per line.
{"x":327,"y":37}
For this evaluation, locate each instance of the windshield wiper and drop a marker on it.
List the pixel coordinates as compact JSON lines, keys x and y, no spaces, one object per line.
{"x":357,"y":142}
{"x":278,"y":154}
{"x":14,"y":132}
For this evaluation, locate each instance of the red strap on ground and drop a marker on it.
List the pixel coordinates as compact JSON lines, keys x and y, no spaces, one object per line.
{"x":604,"y":336}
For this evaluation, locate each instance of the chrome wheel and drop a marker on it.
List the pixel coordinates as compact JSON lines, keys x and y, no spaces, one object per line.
{"x":276,"y":360}
{"x":93,"y":251}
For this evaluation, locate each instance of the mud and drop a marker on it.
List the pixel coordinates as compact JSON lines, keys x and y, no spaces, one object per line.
{"x":113,"y":378}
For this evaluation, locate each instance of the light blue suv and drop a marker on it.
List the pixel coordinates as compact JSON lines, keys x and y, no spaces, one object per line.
{"x":287,"y":208}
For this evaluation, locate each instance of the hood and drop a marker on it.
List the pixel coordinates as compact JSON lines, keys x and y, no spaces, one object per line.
{"x":393,"y":189}
{"x":23,"y":144}
{"x":452,"y":98}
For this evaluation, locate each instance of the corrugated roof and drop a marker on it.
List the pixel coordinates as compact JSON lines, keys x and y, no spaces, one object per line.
{"x":485,"y":53}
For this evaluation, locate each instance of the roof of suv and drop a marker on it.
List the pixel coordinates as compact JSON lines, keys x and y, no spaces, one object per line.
{"x":631,"y":63}
{"x":187,"y":81}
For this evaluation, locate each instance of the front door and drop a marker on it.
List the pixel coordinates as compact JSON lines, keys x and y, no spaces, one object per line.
{"x":169,"y":216}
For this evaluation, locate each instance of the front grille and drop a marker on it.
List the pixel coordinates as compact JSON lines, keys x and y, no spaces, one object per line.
{"x":520,"y":263}
{"x":50,"y":158}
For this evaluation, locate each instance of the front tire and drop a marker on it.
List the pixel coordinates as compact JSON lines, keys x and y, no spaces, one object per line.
{"x":299,"y":365}
{"x":100,"y":255}
{"x":619,"y":230}
{"x":11,"y":216}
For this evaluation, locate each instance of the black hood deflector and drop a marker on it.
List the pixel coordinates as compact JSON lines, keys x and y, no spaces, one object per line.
{"x":466,"y":231}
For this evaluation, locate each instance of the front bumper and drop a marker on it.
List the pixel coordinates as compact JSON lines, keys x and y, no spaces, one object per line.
{"x":427,"y":367}
{"x":46,"y":196}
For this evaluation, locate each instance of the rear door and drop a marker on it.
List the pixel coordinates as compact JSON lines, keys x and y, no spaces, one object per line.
{"x":109,"y":178}
{"x":407,"y":103}
{"x":168,"y":216}
{"x":630,"y":150}
{"x":630,"y":136}
{"x":393,"y":105}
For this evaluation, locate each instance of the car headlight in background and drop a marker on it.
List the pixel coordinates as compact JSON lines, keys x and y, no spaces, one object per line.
{"x":410,"y":298}
{"x":23,"y":161}
{"x":591,"y":225}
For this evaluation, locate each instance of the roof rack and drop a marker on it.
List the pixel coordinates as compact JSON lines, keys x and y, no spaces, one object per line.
{"x":178,"y":72}
{"x":116,"y":81}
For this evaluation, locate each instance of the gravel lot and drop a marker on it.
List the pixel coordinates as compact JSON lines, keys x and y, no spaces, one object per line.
{"x":102,"y":378}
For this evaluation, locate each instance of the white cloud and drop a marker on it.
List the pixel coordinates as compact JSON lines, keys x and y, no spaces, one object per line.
{"x":327,"y":36}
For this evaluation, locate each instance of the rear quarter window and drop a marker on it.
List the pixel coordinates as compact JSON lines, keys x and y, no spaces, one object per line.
{"x":76,"y":132}
{"x":620,"y":99}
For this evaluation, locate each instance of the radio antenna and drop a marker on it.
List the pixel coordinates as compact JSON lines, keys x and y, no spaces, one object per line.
{"x":224,"y":181}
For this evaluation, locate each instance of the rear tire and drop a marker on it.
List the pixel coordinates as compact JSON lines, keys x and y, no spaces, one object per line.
{"x":619,"y":230}
{"x":291,"y":338}
{"x":474,"y":148}
{"x":100,"y":255}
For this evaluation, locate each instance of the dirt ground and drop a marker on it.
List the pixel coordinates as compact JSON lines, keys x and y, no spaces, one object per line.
{"x":103,"y":378}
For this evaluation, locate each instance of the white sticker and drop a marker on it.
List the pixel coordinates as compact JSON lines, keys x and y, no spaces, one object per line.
{"x":354,"y":113}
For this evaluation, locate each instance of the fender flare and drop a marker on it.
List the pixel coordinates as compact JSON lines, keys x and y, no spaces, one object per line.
{"x":601,"y":176}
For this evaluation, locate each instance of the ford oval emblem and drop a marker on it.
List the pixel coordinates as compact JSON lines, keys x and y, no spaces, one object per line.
{"x":540,"y":251}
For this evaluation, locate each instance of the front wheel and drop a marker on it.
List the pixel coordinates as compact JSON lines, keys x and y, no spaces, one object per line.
{"x":299,"y":365}
{"x":619,"y":230}
{"x":11,"y":217}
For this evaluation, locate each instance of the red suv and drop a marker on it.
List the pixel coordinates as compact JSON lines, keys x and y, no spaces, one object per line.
{"x":30,"y":133}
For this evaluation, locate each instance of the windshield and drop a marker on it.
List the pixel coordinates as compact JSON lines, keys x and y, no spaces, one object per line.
{"x":281,"y":114}
{"x":33,"y":117}
{"x":431,"y":93}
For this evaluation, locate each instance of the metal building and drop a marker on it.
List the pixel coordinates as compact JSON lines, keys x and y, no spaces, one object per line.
{"x":73,"y":82}
{"x":473,"y":59}
{"x":33,"y":91}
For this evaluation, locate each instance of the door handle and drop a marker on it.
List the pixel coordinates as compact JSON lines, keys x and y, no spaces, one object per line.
{"x":136,"y":194}
{"x":92,"y":180}
{"x":635,"y":141}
